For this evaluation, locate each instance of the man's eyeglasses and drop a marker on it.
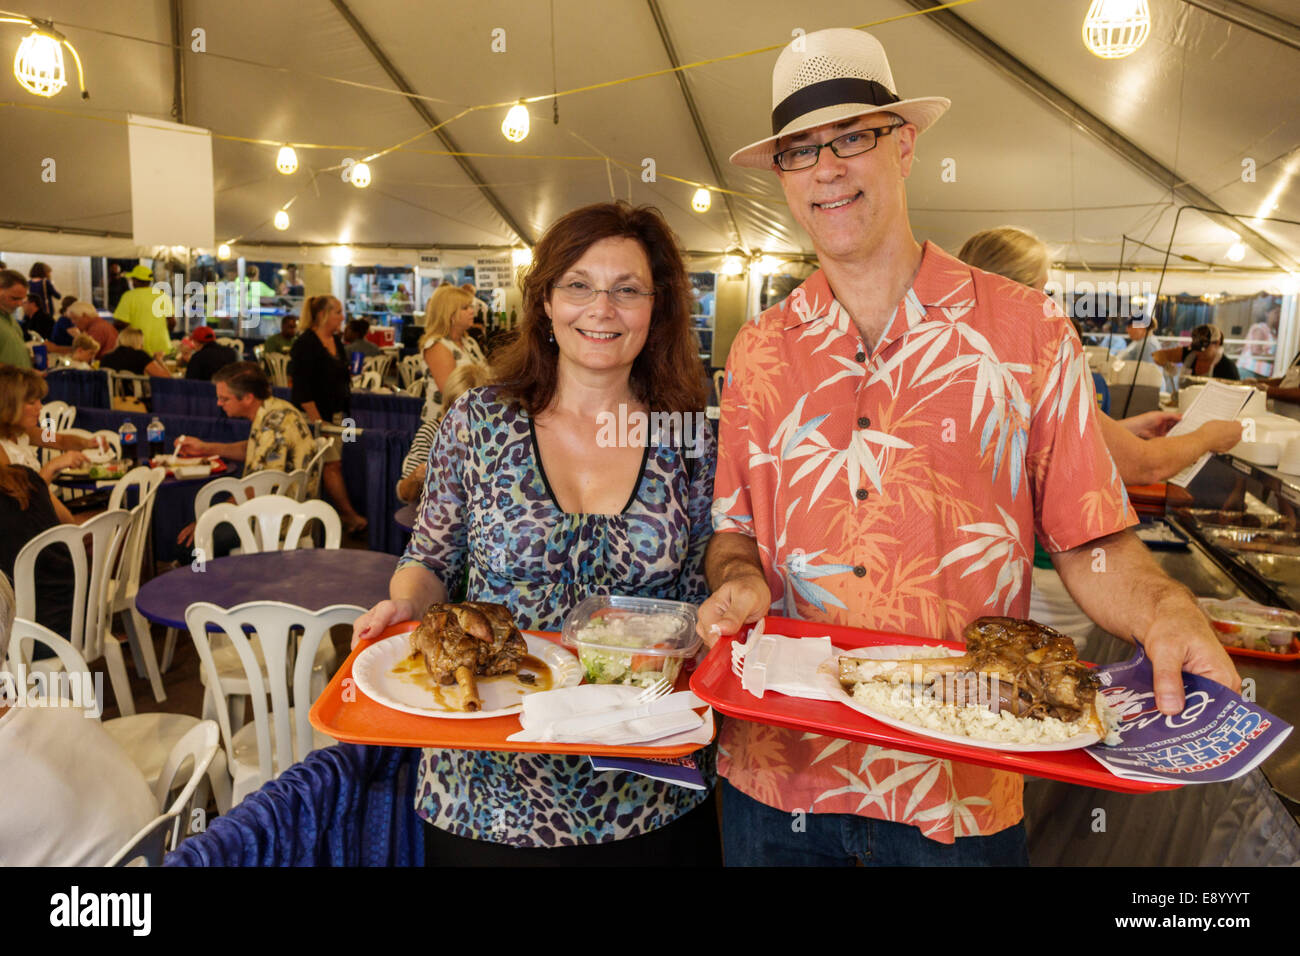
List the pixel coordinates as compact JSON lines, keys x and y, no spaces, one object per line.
{"x":850,"y":144}
{"x":625,"y":296}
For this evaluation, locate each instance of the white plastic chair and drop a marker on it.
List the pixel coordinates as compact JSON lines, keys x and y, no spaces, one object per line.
{"x":411,"y":369}
{"x":315,"y":465}
{"x":368,"y":381}
{"x":277,"y":368}
{"x":236,"y":344}
{"x":90,"y":635}
{"x":719,"y":377}
{"x":60,"y":414}
{"x":126,"y":385}
{"x":280,"y":734}
{"x":381,"y":363}
{"x":150,"y":740}
{"x":260,"y":523}
{"x":198,"y":748}
{"x":125,"y":582}
{"x":417,"y":388}
{"x":269,"y":482}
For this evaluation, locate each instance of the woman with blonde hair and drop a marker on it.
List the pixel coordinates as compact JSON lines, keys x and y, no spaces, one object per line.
{"x":322,"y":388}
{"x":446,"y":345}
{"x":416,"y":464}
{"x":130,"y":356}
{"x":1008,"y":251}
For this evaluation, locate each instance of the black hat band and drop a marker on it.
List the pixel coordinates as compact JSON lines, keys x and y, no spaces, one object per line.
{"x":829,"y":93}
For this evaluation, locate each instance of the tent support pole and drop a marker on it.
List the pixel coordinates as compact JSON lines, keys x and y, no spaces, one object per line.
{"x":178,"y":61}
{"x":1257,"y":21}
{"x":675,"y":61}
{"x":427,"y":115}
{"x":1092,"y":124}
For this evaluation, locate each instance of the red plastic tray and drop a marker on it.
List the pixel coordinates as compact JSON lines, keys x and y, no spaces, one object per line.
{"x":360,"y":720}
{"x":1291,"y":655}
{"x":713,"y":682}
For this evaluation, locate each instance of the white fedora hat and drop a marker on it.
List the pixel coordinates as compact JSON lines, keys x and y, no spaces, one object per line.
{"x":834,"y":75}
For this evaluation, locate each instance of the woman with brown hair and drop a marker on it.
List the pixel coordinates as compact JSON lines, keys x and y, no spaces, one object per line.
{"x":322,"y":388}
{"x":530,"y":494}
{"x":446,"y":346}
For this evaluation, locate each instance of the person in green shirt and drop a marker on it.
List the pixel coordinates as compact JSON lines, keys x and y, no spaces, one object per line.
{"x":147,"y":309}
{"x":13,"y":292}
{"x":283,"y":341}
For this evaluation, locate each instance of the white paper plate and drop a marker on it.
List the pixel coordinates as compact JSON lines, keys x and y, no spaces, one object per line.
{"x":902,"y":651}
{"x":373,"y":672}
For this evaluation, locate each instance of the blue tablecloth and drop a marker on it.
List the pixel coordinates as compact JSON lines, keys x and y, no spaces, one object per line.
{"x":180,"y":396}
{"x":84,"y":389}
{"x":346,"y":805}
{"x":371,"y":466}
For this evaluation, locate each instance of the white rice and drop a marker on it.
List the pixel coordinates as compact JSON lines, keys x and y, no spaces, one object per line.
{"x":905,"y":703}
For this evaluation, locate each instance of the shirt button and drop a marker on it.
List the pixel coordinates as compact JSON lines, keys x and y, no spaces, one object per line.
{"x":864,"y":422}
{"x":862,"y":494}
{"x":861,"y":356}
{"x":860,"y":571}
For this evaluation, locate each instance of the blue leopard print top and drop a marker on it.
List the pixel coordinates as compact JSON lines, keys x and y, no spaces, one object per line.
{"x":487,"y":508}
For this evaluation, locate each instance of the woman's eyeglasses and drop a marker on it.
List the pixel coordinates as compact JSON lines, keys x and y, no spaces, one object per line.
{"x":625,"y":296}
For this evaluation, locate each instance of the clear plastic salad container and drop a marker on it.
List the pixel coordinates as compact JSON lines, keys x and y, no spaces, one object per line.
{"x":1246,"y":624}
{"x":629,"y":640}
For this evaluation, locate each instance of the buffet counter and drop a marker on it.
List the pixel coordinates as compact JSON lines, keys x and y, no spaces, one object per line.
{"x":1251,"y":821}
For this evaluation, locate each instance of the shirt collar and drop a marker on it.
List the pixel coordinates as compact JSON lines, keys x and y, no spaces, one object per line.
{"x":942,"y":281}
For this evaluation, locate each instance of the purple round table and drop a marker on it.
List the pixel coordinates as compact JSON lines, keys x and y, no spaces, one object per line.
{"x":406,"y":515}
{"x":315,"y":578}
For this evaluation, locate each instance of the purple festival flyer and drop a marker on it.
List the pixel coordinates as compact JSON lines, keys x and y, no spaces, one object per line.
{"x":1218,"y":736}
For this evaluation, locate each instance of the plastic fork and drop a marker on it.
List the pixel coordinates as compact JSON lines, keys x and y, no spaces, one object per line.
{"x":740,"y":649}
{"x":660,"y":688}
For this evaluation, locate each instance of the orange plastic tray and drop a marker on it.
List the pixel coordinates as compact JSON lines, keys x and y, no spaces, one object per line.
{"x":1292,"y":655}
{"x":360,"y":720}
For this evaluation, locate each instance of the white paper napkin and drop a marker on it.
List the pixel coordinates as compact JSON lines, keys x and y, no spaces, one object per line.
{"x":792,"y":665}
{"x":541,"y":712}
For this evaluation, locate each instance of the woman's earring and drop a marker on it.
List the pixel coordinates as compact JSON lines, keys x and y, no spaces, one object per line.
{"x":552,"y":335}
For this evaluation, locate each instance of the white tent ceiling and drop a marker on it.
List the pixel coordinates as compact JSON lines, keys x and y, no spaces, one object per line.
{"x":1202,"y":95}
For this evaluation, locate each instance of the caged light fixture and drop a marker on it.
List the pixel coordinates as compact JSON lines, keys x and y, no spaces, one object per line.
{"x":223,"y":251}
{"x":282,"y":219}
{"x":702,"y":200}
{"x":359,"y":176}
{"x":1113,"y":29}
{"x":38,"y":65}
{"x":515,"y":126}
{"x":1236,"y":252}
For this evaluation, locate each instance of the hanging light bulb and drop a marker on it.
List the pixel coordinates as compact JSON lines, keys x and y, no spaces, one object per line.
{"x":521,"y":257}
{"x":223,"y":251}
{"x":287,"y":160}
{"x":282,"y":220}
{"x":360,"y":175}
{"x":1236,"y":252}
{"x":515,"y":125}
{"x":732,"y":265}
{"x":39,"y":64}
{"x":1115,"y":28}
{"x":702,"y":200}
{"x":767,"y":265}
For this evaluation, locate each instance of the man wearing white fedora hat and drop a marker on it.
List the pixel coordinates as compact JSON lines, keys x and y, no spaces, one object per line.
{"x":893,"y":436}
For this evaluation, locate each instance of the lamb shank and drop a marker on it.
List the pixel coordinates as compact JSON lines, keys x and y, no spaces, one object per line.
{"x":1035,"y":670}
{"x":460,"y":642}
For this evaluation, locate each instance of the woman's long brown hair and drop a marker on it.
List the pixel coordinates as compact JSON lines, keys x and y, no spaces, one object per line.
{"x":667,"y":375}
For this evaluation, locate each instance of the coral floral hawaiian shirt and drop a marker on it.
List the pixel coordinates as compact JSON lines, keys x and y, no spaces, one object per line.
{"x":901,"y":490}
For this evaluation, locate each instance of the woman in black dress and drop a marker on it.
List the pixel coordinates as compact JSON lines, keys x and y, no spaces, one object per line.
{"x":322,"y":388}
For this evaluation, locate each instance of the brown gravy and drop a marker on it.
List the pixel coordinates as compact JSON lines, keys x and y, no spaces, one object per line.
{"x":411,"y":669}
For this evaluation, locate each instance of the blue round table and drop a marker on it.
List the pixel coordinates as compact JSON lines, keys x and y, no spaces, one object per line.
{"x":405,"y":516}
{"x":313,"y":579}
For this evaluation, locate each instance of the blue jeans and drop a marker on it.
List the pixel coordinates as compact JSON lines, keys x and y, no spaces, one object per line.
{"x":754,"y":834}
